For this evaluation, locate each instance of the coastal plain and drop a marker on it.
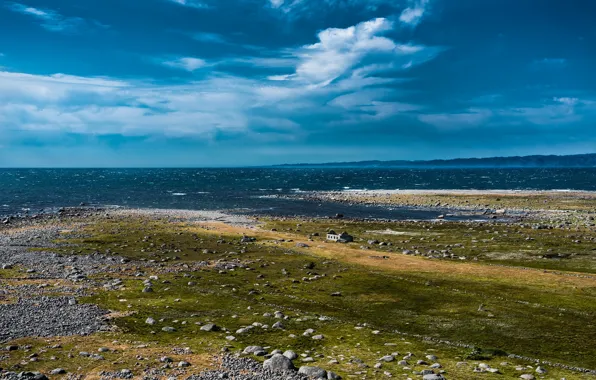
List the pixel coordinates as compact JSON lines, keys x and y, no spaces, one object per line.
{"x":508,"y":293}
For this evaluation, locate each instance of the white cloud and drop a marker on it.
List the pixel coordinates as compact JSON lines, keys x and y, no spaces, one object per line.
{"x":339,"y":51}
{"x":307,"y":8}
{"x":52,"y":20}
{"x":262,"y":62}
{"x":324,"y":84}
{"x":192,"y":3}
{"x":187,"y":63}
{"x":557,"y":113}
{"x":565,"y":110}
{"x":566,"y":100}
{"x":473,"y":117}
{"x":276,"y":3}
{"x":414,"y":13}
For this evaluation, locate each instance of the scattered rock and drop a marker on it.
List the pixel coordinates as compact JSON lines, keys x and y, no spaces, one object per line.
{"x":313,"y":372}
{"x":278,"y":363}
{"x":210,"y":327}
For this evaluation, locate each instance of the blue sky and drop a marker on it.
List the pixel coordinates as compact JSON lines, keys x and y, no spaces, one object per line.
{"x":253,"y":82}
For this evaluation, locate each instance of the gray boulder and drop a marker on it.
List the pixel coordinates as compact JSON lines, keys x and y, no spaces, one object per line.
{"x":313,"y":372}
{"x":291,"y":355}
{"x":210,"y":327}
{"x":433,"y":377}
{"x":278,"y":362}
{"x":253,"y":350}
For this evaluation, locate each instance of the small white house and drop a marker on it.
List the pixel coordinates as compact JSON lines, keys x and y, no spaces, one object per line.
{"x":344,"y":237}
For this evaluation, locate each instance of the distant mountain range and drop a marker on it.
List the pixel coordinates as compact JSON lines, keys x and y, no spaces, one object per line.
{"x":570,"y":161}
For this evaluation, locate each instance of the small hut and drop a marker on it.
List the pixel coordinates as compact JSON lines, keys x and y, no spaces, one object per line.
{"x":344,"y":237}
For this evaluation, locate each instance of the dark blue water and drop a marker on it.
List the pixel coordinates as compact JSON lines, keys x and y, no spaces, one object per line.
{"x":250,"y":189}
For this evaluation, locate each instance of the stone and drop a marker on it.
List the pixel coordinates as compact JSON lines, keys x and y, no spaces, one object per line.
{"x":278,"y":363}
{"x":433,"y":377}
{"x":313,"y":372}
{"x":58,"y":371}
{"x":210,"y":327}
{"x":183,"y":364}
{"x":541,"y":370}
{"x":387,"y":358}
{"x":150,"y":321}
{"x":278,"y":325}
{"x":290,"y":355}
{"x":318,"y":337}
{"x":253,"y":350}
{"x":168,"y":329}
{"x":527,"y":376}
{"x":333,"y":376}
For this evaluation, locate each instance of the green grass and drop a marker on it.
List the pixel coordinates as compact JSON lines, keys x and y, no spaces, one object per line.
{"x":492,"y":243}
{"x":546,"y":322}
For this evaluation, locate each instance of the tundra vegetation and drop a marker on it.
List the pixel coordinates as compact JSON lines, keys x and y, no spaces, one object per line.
{"x":470,"y":300}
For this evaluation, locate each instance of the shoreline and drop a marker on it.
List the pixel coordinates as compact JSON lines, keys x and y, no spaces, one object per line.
{"x":126,"y":272}
{"x":466,"y":191}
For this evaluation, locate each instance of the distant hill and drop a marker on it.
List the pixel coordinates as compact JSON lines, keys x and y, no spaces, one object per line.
{"x":570,"y":161}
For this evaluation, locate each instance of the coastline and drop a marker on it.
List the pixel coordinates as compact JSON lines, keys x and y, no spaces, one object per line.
{"x":547,"y":205}
{"x":111,"y":256}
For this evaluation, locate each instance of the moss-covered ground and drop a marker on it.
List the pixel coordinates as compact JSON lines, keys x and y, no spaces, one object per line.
{"x":367,"y":300}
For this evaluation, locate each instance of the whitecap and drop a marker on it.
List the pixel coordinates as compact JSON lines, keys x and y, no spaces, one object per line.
{"x":179,"y":194}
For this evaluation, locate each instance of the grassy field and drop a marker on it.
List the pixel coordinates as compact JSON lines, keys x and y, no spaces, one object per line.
{"x":367,"y":300}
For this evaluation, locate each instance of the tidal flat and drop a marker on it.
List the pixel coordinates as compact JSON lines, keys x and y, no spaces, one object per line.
{"x":166,"y":294}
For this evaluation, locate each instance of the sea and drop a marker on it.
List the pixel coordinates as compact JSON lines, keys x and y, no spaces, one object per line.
{"x":259,"y":191}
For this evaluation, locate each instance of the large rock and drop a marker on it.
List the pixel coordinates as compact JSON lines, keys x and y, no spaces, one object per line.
{"x":291,"y":355}
{"x":210,"y":327}
{"x":278,"y":362}
{"x":313,"y":372}
{"x":432,"y":377}
{"x":253,"y":350}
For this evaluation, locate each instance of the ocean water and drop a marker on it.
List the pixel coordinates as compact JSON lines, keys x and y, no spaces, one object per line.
{"x":253,"y":190}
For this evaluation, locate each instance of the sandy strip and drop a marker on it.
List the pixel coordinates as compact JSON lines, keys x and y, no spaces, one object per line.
{"x":192,"y":215}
